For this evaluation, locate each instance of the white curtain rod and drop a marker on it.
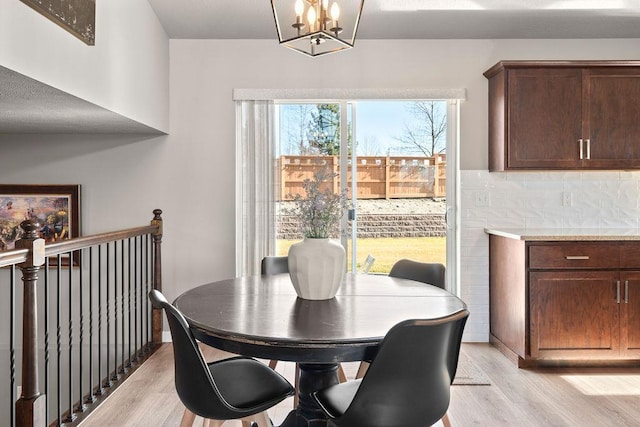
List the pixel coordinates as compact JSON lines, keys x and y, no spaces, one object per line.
{"x":347,"y":94}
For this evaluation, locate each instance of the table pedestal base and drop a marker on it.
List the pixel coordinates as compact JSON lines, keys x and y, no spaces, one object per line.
{"x":312,"y":377}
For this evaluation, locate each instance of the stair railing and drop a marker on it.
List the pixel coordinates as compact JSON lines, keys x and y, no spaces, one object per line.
{"x":85,"y":321}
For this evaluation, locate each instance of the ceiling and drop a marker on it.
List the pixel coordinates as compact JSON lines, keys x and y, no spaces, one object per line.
{"x":416,"y":19}
{"x":29,"y":106}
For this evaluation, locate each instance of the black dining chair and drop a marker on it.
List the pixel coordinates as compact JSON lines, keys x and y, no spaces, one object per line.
{"x":408,"y":383}
{"x":271,"y":265}
{"x":426,"y":272}
{"x":274,"y":265}
{"x":234,"y":388}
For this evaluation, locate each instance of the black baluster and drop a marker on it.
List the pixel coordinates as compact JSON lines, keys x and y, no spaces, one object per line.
{"x":129,"y":301}
{"x":149,"y":273}
{"x":71,"y":416}
{"x":108,"y":382}
{"x":47,"y":328}
{"x":143,"y":294}
{"x":12,"y":344}
{"x":136,"y":285}
{"x":59,"y":338}
{"x":123,"y":368}
{"x":143,"y":297}
{"x":91,"y":397}
{"x":80,"y":406}
{"x":100,"y":389}
{"x":115,"y":376}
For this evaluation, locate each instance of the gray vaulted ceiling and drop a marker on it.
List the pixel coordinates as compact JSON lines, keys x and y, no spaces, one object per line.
{"x":29,"y":106}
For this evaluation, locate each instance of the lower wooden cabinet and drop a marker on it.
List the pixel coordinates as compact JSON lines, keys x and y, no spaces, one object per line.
{"x":630,"y":315}
{"x":565,"y":302}
{"x":574,"y":314}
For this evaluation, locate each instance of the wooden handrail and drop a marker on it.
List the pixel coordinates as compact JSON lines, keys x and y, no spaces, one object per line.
{"x":77,"y":243}
{"x":13,"y":257}
{"x":51,"y":249}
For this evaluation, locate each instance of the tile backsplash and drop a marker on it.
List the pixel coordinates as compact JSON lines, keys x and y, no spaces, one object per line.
{"x":533,"y":200}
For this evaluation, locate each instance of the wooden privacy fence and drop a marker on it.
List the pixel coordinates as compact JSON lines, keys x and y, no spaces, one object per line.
{"x":377,"y":177}
{"x":79,"y":324}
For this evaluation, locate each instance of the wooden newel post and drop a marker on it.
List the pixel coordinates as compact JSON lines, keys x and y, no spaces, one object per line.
{"x":157,"y":274}
{"x":30,"y":407}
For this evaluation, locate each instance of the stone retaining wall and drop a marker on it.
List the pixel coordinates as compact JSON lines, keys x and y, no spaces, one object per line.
{"x":379,"y":225}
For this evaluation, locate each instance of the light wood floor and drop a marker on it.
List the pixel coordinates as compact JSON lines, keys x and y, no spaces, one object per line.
{"x":516,"y":397}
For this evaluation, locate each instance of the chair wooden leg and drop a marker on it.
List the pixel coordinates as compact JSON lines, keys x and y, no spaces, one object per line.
{"x":187,"y":418}
{"x":296,"y":385}
{"x":342,"y":377}
{"x":263,"y":419}
{"x":273,"y":363}
{"x":246,"y":423}
{"x":445,"y":420}
{"x":362,"y":369}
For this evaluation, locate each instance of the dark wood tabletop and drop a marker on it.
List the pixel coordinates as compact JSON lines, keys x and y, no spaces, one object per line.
{"x":261,"y":316}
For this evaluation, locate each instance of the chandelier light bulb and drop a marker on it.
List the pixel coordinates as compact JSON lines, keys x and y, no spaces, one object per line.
{"x":335,"y":11}
{"x":325,"y":4}
{"x":311,"y":18}
{"x":299,"y":8}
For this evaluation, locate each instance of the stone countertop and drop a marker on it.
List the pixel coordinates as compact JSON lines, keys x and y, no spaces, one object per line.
{"x":569,"y":234}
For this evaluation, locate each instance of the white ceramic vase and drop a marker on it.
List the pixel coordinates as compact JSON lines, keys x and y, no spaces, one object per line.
{"x":317,"y":268}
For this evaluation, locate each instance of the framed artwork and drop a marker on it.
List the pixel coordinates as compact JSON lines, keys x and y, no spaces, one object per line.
{"x":56,"y":208}
{"x":76,"y":16}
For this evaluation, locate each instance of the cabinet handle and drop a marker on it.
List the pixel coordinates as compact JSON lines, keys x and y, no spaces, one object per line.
{"x":581,"y":148}
{"x":574,"y":257}
{"x":626,"y":292}
{"x":618,"y":292}
{"x":588,"y":141}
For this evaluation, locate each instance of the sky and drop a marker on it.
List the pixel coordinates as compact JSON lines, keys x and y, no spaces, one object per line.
{"x":378,"y":125}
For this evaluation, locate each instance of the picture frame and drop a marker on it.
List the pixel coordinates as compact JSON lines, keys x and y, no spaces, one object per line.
{"x":78,"y":17}
{"x":57,"y":208}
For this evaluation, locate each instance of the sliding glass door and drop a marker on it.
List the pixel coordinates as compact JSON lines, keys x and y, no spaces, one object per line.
{"x":312,"y":137}
{"x":402,"y":183}
{"x":393,"y":165}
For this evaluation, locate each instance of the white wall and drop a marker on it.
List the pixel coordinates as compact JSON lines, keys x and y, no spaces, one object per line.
{"x":127,"y":71}
{"x":190,"y":173}
{"x":214,"y":67}
{"x":204,"y":73}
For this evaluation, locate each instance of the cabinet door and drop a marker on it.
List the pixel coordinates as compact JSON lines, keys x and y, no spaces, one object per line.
{"x":630,"y":314}
{"x":574,"y":314}
{"x":544,"y":118}
{"x":612,"y":118}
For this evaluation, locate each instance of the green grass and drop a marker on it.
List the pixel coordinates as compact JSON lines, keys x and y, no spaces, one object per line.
{"x":388,"y":250}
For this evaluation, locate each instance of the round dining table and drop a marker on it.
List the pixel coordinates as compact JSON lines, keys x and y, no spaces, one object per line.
{"x":262,"y":317}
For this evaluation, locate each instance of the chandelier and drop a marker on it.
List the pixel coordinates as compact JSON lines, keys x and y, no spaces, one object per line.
{"x":314,"y":27}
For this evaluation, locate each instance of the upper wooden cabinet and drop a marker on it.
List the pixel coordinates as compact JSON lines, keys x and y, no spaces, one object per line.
{"x":564,"y":115}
